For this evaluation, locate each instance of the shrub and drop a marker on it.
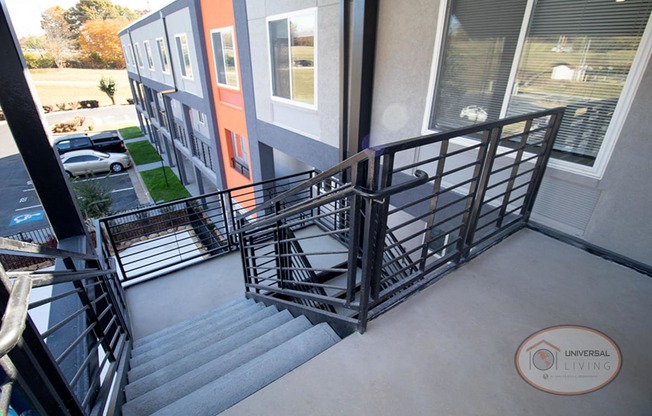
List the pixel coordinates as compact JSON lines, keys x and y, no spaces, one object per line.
{"x":130,"y":101}
{"x":47,"y":108}
{"x":61,"y":106}
{"x":94,"y":198}
{"x":89,"y":104}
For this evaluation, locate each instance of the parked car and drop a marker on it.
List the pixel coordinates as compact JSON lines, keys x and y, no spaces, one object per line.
{"x":474,"y":113}
{"x":105,"y":141}
{"x":83,"y":162}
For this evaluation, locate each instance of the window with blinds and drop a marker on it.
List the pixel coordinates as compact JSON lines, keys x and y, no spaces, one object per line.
{"x":577,"y":54}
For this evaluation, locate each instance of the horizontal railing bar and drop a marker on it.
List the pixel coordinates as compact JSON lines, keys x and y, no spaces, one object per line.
{"x":520,"y":148}
{"x":74,"y":344}
{"x":64,"y":321}
{"x":47,"y":279}
{"x":312,"y":269}
{"x":512,"y":165}
{"x":51,"y":299}
{"x":492,"y":186}
{"x":211,"y":253}
{"x":292,"y":255}
{"x":437,"y":158}
{"x":433,"y":195}
{"x":465,"y":131}
{"x":301,"y":282}
{"x":22,"y":248}
{"x":93,"y":350}
{"x":178,"y":247}
{"x":303,"y":295}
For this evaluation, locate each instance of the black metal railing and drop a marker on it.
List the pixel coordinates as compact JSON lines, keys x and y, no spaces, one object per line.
{"x":165,"y":237}
{"x":67,"y":328}
{"x":408,"y":213}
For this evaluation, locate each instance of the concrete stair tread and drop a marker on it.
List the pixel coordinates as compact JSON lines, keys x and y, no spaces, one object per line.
{"x":173,"y":329}
{"x":197,"y":339}
{"x":178,"y":386}
{"x":199,"y":357}
{"x":224,"y":392}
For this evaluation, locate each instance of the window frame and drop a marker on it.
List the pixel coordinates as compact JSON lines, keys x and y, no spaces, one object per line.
{"x":235,"y":57}
{"x":614,"y":130}
{"x":139,"y":57}
{"x":183,"y":67}
{"x":148,"y":55}
{"x":163,"y":55}
{"x":288,"y":16}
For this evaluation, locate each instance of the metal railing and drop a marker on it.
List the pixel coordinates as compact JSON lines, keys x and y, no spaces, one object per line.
{"x":67,"y":328}
{"x":408,"y":213}
{"x":165,"y":237}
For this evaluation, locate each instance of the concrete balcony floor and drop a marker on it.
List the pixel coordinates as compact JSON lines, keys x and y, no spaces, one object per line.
{"x":448,"y":350}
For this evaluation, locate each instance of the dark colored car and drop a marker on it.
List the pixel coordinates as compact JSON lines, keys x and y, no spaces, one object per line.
{"x":106,"y":141}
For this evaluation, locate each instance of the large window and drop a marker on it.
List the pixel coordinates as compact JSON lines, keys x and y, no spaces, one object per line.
{"x":574,"y":53}
{"x":224,"y":55}
{"x":148,"y":54}
{"x":163,"y":55}
{"x":183,"y":53}
{"x":292,"y":56}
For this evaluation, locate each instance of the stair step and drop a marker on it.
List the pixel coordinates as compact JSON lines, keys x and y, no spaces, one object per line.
{"x":146,"y":352}
{"x":160,"y":335}
{"x":229,"y":389}
{"x":179,"y":386}
{"x":205,"y":355}
{"x":175,"y":351}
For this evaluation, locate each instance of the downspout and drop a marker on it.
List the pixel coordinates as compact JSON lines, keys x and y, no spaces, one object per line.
{"x":168,"y":110}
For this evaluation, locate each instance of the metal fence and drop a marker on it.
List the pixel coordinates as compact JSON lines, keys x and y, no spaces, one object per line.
{"x":165,"y":237}
{"x":71,"y":357}
{"x":407,"y":213}
{"x":43,"y":236}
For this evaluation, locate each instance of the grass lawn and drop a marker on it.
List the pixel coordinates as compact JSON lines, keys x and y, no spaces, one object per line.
{"x":160,"y":192}
{"x":143,"y":152}
{"x":130,"y":132}
{"x":74,"y":84}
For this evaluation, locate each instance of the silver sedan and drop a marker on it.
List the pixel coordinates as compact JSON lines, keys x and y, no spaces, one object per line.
{"x":83,"y":162}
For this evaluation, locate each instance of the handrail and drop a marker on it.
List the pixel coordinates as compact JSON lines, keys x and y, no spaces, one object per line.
{"x":15,"y":318}
{"x":8,"y":246}
{"x":346,"y":164}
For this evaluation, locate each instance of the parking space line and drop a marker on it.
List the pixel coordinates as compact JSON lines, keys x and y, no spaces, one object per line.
{"x":33,"y":206}
{"x":121,"y":190}
{"x":113,"y":175}
{"x":28,"y":190}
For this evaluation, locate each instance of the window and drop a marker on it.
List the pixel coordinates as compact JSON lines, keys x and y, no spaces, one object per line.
{"x":574,"y":53}
{"x":292,"y":56}
{"x":239,"y":156}
{"x":201,"y":117}
{"x":131,"y":55}
{"x":224,"y":55}
{"x":139,"y":58}
{"x":125,"y":51}
{"x":163,"y":55}
{"x":184,"y":55}
{"x":148,"y":53}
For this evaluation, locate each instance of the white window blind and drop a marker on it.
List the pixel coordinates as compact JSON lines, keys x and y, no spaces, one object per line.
{"x":578,"y":54}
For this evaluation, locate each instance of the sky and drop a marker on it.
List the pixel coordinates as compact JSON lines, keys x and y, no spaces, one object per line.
{"x":26,"y":15}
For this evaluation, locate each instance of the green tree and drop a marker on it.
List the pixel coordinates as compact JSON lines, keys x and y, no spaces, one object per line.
{"x":86,"y":10}
{"x":107,"y":86}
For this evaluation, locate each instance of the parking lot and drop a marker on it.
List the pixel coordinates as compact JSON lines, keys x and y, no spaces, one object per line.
{"x":22,"y":210}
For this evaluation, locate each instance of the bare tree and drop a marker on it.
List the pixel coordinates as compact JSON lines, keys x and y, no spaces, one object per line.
{"x":57,"y":35}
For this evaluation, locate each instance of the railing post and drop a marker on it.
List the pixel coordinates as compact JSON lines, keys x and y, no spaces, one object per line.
{"x":480,"y":185}
{"x":542,"y":162}
{"x":115,"y":249}
{"x":436,"y":188}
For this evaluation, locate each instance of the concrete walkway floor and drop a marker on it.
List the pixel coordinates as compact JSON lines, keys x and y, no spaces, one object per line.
{"x":450,"y":349}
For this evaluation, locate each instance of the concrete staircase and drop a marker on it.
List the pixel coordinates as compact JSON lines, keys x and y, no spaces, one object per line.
{"x":208,"y":364}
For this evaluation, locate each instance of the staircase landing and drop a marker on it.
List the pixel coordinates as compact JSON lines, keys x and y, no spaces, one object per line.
{"x":449,"y":350}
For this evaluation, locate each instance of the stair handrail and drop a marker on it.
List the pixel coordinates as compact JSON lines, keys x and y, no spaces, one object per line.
{"x":328,"y":173}
{"x":342,"y":192}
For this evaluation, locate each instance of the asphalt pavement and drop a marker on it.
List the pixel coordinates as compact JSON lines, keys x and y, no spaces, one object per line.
{"x":20,"y":208}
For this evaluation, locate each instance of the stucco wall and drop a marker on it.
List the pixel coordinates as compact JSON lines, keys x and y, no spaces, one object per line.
{"x":322,"y":122}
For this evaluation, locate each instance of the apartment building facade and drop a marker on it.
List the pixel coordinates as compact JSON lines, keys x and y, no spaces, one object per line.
{"x":447,"y":64}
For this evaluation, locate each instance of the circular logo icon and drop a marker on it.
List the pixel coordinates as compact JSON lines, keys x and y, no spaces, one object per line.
{"x":543,"y":359}
{"x":568,"y":360}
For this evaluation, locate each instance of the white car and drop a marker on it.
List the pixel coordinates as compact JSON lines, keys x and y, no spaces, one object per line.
{"x":82,"y":162}
{"x":474,"y":113}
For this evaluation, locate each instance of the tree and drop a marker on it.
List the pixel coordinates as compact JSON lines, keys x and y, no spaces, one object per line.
{"x":99,"y":42}
{"x":93,"y":197}
{"x":87,"y":10}
{"x":107,"y":86}
{"x":58,"y":41}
